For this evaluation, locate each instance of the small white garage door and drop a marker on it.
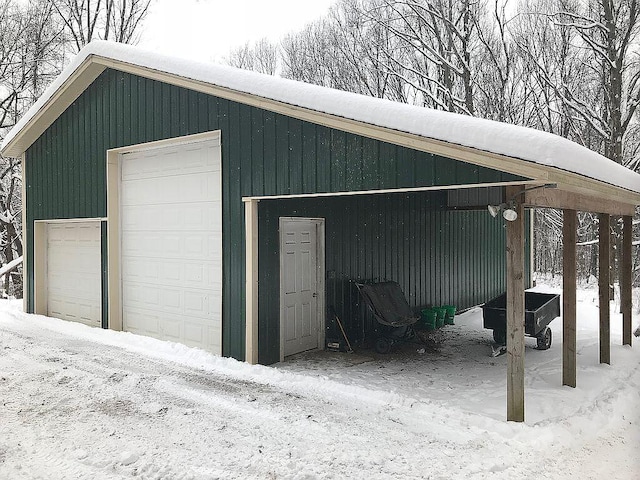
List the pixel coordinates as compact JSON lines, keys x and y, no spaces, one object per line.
{"x":171,"y":230}
{"x":73,"y":272}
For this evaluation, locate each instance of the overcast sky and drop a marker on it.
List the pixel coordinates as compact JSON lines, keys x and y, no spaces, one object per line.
{"x":208,"y":29}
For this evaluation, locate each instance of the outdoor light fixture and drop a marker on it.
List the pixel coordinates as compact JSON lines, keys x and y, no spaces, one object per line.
{"x":494,"y":209}
{"x":509,"y":209}
{"x":509,"y":214}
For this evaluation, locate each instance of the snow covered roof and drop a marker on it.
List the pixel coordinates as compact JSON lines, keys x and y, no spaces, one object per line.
{"x":528,"y":147}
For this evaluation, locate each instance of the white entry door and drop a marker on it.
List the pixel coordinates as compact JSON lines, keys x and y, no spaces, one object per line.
{"x":73,"y":266}
{"x":301,"y":284}
{"x":171,"y":229}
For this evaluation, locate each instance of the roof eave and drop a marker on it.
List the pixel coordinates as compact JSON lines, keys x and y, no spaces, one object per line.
{"x":65,"y":95}
{"x":93,"y":65}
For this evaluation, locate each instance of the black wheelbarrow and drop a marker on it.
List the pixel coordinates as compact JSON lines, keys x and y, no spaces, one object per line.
{"x":539,"y":310}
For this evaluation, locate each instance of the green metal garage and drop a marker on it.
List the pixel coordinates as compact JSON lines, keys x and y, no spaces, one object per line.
{"x":228,"y":210}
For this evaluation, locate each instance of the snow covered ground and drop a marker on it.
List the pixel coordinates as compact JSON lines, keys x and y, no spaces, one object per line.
{"x":83,"y":403}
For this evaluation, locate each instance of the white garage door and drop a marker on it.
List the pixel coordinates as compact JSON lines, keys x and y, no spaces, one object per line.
{"x":73,"y":272}
{"x":171,"y":229}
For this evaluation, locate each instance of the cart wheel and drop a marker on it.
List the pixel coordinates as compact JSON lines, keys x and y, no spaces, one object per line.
{"x":383,"y":345}
{"x":544,"y":339}
{"x":500,"y":337}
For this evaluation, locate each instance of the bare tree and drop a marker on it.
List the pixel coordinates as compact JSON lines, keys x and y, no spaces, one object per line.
{"x":34,"y":42}
{"x":438,"y":37}
{"x":261,"y":57}
{"x":30,"y":56}
{"x":350,"y":50}
{"x":86,"y":20}
{"x":601,"y":35}
{"x":608,"y":30}
{"x":124,"y":18}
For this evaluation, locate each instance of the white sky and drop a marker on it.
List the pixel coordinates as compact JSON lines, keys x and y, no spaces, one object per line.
{"x":208,"y":29}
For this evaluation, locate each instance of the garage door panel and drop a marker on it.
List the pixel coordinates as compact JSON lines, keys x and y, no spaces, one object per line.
{"x":168,"y":161}
{"x":198,"y":217}
{"x":178,"y":328}
{"x":179,"y":300}
{"x":171,"y":227}
{"x":84,"y":260}
{"x":142,"y":322}
{"x":177,"y":189}
{"x":74,"y":273}
{"x":170,"y":246}
{"x":82,"y":285}
{"x":160,"y":271}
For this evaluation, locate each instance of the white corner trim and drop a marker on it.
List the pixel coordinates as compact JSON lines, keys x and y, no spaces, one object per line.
{"x":251,"y":274}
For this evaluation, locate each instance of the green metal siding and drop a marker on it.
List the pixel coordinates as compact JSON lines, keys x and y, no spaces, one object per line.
{"x":437,"y":256}
{"x":263,"y":154}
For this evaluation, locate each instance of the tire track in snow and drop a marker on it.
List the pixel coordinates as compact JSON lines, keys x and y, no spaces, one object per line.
{"x":157,"y":419}
{"x":117,"y":385}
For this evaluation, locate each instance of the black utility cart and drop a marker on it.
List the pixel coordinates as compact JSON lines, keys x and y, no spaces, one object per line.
{"x":539,"y":310}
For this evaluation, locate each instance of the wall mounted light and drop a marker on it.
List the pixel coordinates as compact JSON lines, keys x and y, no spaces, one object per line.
{"x":495,"y":209}
{"x":510,"y":214}
{"x":509,"y":209}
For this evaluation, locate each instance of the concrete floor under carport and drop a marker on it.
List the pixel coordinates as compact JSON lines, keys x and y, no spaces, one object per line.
{"x":462,"y":376}
{"x":459,"y":373}
{"x":438,"y":255}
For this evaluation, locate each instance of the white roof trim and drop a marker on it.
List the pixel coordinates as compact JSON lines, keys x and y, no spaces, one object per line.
{"x":512,"y":141}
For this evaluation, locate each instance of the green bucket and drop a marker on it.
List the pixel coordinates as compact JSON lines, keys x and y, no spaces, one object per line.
{"x":441,"y":314}
{"x":429,"y":318}
{"x":450,"y":312}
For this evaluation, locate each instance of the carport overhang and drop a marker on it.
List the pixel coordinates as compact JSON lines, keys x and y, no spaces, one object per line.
{"x":569,"y":193}
{"x":569,"y":199}
{"x":573,"y":192}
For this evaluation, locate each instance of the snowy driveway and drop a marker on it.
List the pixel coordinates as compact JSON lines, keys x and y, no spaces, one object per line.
{"x":77,"y":402}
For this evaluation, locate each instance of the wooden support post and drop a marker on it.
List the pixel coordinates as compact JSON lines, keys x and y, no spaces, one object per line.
{"x":569,"y":298}
{"x":604,"y":280}
{"x":515,"y":313}
{"x":625,"y":279}
{"x":251,"y":291}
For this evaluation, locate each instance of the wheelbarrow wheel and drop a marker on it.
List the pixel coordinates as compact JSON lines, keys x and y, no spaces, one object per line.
{"x":544,"y":339}
{"x":383,"y":345}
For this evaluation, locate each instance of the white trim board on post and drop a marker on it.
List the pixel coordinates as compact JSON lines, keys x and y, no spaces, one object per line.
{"x":251,"y":264}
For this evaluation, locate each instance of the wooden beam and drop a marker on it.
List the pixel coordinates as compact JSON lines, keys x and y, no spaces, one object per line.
{"x":251,"y":265}
{"x":625,"y":279}
{"x":569,"y":298}
{"x":562,"y":199}
{"x":604,"y":280}
{"x":515,"y":313}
